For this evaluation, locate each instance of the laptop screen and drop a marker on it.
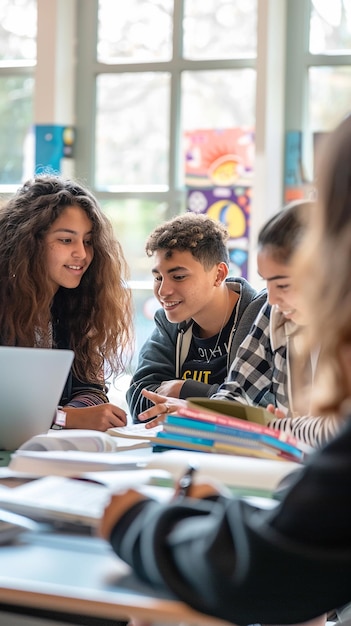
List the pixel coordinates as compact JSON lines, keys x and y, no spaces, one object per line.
{"x":31,"y":385}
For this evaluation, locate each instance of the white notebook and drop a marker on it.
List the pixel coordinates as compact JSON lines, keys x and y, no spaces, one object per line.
{"x":63,"y":500}
{"x":69,"y":452}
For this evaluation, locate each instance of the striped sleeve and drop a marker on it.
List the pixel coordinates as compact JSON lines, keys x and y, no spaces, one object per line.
{"x":316,"y":431}
{"x":88,"y":397}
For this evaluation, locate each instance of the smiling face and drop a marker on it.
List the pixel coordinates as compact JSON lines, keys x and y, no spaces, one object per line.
{"x":69,"y":249}
{"x":183,"y":287}
{"x":281,"y":293}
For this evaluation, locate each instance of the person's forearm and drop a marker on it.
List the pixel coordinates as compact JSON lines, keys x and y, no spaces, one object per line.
{"x":316,"y":431}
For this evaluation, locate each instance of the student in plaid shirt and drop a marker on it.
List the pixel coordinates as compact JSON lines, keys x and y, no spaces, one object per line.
{"x":262,"y":373}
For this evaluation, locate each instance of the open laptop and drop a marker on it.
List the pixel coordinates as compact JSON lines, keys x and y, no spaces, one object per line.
{"x":31,"y":385}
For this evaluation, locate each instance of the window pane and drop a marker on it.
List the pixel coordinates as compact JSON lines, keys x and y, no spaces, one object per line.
{"x":135,"y":31}
{"x":132,"y":130}
{"x":330,"y":26}
{"x":145,"y":305}
{"x":18,"y":19}
{"x":218,"y":99}
{"x":16,"y":139}
{"x":328,"y":85}
{"x":133,"y":220}
{"x":219,"y":29}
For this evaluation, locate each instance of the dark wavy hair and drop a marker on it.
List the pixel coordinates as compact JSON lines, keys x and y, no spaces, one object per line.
{"x":204,"y":237}
{"x":97,"y":314}
{"x":283,"y":233}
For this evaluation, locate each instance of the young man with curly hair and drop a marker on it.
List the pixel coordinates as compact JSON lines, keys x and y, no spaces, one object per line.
{"x":204,"y":314}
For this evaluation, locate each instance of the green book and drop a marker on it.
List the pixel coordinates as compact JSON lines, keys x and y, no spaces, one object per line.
{"x":256,"y":414}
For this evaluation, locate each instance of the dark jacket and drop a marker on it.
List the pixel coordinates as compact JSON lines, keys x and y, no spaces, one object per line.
{"x":231,"y":560}
{"x":164,"y":352}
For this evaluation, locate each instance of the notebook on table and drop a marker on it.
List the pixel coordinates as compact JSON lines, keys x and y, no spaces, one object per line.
{"x":31,"y":385}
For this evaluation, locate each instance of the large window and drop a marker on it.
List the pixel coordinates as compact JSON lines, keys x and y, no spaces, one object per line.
{"x":18,"y":28}
{"x":149,"y":73}
{"x":330,"y":66}
{"x":318,"y":90}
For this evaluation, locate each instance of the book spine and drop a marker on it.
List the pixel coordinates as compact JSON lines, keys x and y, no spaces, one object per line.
{"x":210,"y":431}
{"x":183,"y":422}
{"x":268,"y":453}
{"x":234,"y":430}
{"x":213,"y":417}
{"x":193,"y":433}
{"x":235,"y":437}
{"x":182,"y":443}
{"x":185,"y":437}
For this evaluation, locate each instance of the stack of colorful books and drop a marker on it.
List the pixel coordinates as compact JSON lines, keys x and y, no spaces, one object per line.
{"x":198,"y":428}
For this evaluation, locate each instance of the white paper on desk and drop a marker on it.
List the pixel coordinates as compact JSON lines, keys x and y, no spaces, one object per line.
{"x":135,"y":431}
{"x":152,"y":478}
{"x":66,"y":500}
{"x":63,"y":452}
{"x":244,"y":473}
{"x":72,"y":462}
{"x":77,"y":439}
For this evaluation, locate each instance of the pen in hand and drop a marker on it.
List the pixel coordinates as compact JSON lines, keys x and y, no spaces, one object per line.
{"x":186,"y":487}
{"x":184,"y":484}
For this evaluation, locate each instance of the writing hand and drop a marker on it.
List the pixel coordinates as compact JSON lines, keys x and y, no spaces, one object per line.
{"x":184,"y":484}
{"x":122,"y":502}
{"x":119,"y":504}
{"x":163,"y":406}
{"x":98,"y":417}
{"x":186,"y":487}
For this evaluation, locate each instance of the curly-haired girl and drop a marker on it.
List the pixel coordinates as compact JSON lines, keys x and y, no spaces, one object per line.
{"x":62,"y":285}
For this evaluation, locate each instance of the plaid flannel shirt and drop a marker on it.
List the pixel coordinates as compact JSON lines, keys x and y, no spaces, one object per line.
{"x":260,"y":376}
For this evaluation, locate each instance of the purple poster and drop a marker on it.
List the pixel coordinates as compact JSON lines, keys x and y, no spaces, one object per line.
{"x":218,"y":176}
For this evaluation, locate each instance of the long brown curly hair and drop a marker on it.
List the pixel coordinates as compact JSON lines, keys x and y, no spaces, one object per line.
{"x":97,"y":314}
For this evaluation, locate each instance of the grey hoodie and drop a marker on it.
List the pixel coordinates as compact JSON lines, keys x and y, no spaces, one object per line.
{"x":162,"y":355}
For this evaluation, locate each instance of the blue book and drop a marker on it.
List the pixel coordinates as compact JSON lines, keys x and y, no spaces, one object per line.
{"x":185,"y":437}
{"x":231,"y":435}
{"x":232,"y":446}
{"x":183,"y":442}
{"x":198,"y":424}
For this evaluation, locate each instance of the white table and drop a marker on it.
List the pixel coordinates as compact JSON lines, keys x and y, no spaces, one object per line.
{"x":50,"y":575}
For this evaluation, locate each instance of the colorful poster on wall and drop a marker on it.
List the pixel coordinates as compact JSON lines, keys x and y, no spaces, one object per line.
{"x":54,"y":144}
{"x":296,"y":185}
{"x":218,"y":176}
